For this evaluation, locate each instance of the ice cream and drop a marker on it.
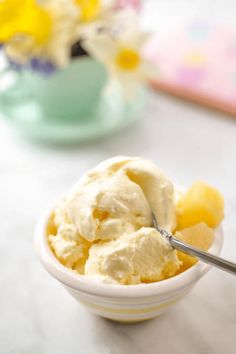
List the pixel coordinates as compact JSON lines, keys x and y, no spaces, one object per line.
{"x":143,"y":256}
{"x":116,"y":198}
{"x":103,"y":229}
{"x":69,"y":247}
{"x":103,"y":226}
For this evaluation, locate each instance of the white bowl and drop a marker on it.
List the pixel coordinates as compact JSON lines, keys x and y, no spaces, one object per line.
{"x":123,"y":303}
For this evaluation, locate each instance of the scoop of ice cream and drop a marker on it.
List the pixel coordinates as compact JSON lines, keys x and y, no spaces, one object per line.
{"x":157,"y":188}
{"x":69,"y":247}
{"x":141,"y":257}
{"x":107,"y":208}
{"x":117,"y":196}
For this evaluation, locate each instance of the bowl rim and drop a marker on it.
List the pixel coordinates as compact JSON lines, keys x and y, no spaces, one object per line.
{"x":93,"y":287}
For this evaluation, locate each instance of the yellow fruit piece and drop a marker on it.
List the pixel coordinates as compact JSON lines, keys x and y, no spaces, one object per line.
{"x":201,"y":203}
{"x":200,"y":236}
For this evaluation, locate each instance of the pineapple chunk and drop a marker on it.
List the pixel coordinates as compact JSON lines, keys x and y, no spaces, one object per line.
{"x":201,"y":203}
{"x":200,"y":236}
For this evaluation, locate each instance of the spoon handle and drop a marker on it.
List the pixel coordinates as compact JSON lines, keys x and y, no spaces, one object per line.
{"x":202,"y":255}
{"x":195,"y":252}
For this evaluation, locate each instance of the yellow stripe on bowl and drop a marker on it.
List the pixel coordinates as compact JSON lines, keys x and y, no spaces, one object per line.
{"x":130,"y":311}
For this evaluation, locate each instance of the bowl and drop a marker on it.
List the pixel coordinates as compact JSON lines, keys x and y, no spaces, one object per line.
{"x":122,"y":303}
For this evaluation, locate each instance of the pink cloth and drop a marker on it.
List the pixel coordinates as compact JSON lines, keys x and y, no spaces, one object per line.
{"x":199,"y":60}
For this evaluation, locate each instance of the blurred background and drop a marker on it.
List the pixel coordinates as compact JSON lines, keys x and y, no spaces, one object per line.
{"x":186,"y":137}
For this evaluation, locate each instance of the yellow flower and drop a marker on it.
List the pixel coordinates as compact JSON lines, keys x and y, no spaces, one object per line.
{"x":10,"y":12}
{"x":89,"y":9}
{"x":24,"y":17}
{"x":44,"y":29}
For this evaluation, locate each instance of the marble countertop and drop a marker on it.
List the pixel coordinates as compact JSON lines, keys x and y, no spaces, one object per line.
{"x":37,"y":316}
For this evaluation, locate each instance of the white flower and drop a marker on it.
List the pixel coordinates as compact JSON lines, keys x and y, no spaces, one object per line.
{"x":122,"y":53}
{"x":95,"y":15}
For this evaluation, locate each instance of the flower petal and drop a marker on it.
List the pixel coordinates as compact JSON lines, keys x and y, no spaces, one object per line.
{"x":101,"y":47}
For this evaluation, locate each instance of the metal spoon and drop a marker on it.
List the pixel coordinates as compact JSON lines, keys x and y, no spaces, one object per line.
{"x":206,"y":257}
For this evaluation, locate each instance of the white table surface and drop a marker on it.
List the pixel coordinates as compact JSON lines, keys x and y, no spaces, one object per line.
{"x":37,"y":316}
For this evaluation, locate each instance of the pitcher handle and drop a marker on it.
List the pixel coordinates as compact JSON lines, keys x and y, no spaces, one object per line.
{"x":11,"y":86}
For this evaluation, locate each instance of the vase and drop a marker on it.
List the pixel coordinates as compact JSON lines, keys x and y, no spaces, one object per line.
{"x":71,"y":93}
{"x":70,"y":106}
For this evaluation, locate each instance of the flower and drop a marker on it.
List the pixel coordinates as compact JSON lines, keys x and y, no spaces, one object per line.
{"x":43,"y":30}
{"x":23,"y":18}
{"x":65,"y":17}
{"x":89,"y":9}
{"x":124,"y":4}
{"x":42,"y":66}
{"x":43,"y":35}
{"x":122,"y":54}
{"x":95,"y":15}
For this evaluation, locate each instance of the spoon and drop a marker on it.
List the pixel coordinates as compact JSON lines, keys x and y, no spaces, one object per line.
{"x":206,"y":257}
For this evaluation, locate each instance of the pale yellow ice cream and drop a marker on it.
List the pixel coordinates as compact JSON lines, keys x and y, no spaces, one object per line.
{"x":141,"y":257}
{"x":108,"y":207}
{"x":69,"y":247}
{"x":115,"y":198}
{"x":104,"y":223}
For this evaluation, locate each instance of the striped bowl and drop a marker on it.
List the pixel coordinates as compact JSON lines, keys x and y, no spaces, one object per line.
{"x":123,"y":303}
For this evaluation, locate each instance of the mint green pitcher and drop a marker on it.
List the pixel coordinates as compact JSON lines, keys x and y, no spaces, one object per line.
{"x":72,"y":93}
{"x":70,"y":106}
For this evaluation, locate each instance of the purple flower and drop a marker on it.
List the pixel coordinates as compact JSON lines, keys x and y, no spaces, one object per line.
{"x":43,"y":67}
